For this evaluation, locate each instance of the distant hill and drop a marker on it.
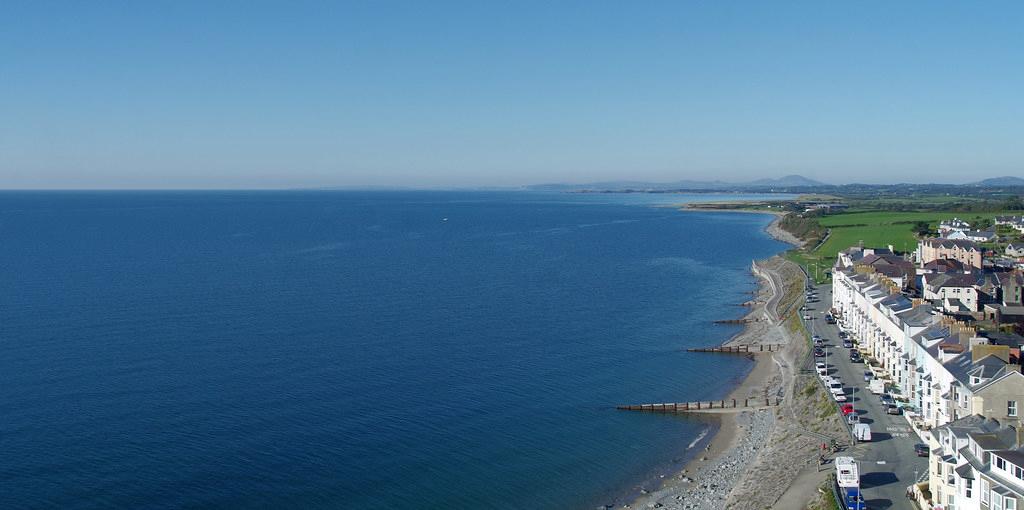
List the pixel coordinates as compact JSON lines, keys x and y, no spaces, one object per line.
{"x":789,"y":181}
{"x":1000,"y":181}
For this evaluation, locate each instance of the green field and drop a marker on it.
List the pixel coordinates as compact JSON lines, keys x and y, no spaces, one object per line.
{"x":875,"y":229}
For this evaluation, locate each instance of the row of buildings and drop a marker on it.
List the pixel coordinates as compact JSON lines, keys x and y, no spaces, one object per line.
{"x":924,"y":323}
{"x":959,"y":229}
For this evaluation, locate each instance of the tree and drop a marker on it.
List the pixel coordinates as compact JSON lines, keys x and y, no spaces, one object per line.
{"x":922,"y":228}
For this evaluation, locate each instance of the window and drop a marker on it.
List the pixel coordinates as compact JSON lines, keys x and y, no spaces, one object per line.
{"x":1000,"y":463}
{"x":984,"y":491}
{"x":1011,"y":408}
{"x":968,"y":485}
{"x":997,"y":502}
{"x":1009,"y":504}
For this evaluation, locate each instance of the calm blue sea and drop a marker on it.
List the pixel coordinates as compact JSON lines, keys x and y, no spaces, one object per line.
{"x":324,"y":349}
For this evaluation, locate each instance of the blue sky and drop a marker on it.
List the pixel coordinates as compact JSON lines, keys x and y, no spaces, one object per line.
{"x":293,"y":94}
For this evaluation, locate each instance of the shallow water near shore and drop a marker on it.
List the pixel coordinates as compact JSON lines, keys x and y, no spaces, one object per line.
{"x":357,"y":349}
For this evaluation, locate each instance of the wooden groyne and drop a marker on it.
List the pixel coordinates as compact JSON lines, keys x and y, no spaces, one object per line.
{"x":707,"y":405}
{"x":739,"y":349}
{"x":735,"y":321}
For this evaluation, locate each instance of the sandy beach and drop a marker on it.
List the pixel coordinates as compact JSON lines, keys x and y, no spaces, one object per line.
{"x":707,"y":480}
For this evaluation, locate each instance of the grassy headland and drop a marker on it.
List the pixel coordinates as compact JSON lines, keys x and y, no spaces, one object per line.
{"x":878,"y":222}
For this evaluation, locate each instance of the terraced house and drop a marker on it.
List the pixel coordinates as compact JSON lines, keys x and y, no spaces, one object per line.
{"x":958,"y":384}
{"x":976,"y":463}
{"x":963,"y":251}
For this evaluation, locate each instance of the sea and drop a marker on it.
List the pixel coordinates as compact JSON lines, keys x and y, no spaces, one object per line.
{"x":359,"y":349}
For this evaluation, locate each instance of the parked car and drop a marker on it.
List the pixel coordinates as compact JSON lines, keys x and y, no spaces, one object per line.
{"x":840,"y":397}
{"x":820,"y":364}
{"x":836,"y":386}
{"x":807,"y":317}
{"x":921,"y":449}
{"x":818,"y":352}
{"x":853,"y":418}
{"x":868,"y":376}
{"x":819,"y":342}
{"x":887,"y":400}
{"x":847,"y":344}
{"x":893,"y":409}
{"x":853,"y":500}
{"x":855,"y":358}
{"x":846,"y":409}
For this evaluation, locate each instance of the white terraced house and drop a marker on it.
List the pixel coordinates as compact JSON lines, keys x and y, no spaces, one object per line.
{"x":952,"y":286}
{"x":940,"y":367}
{"x":978,"y":236}
{"x":976,"y":463}
{"x":1008,"y":220}
{"x":1016,"y":222}
{"x":953,"y":382}
{"x":954,"y":225}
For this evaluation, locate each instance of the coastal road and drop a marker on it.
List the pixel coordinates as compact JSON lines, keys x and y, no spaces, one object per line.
{"x":888,"y":463}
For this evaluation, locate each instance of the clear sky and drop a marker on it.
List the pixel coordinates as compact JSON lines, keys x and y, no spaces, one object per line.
{"x":289,"y":94}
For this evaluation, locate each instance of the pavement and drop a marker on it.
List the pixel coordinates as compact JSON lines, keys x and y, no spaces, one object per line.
{"x":887,"y":463}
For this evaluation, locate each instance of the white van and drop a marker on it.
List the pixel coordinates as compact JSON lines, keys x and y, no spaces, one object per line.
{"x":862,"y":431}
{"x":876,"y":386}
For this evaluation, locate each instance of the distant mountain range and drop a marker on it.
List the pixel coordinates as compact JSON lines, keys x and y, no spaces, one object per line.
{"x":999,"y":181}
{"x":789,"y":181}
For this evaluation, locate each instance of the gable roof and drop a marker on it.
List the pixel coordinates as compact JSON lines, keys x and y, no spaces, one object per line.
{"x":897,"y":303}
{"x":952,"y":243}
{"x":944,"y":265}
{"x":945,"y":280}
{"x":1006,"y":371}
{"x":987,"y":367}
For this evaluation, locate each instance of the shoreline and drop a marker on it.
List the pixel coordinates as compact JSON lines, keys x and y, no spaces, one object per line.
{"x":708,"y":480}
{"x":772,"y":229}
